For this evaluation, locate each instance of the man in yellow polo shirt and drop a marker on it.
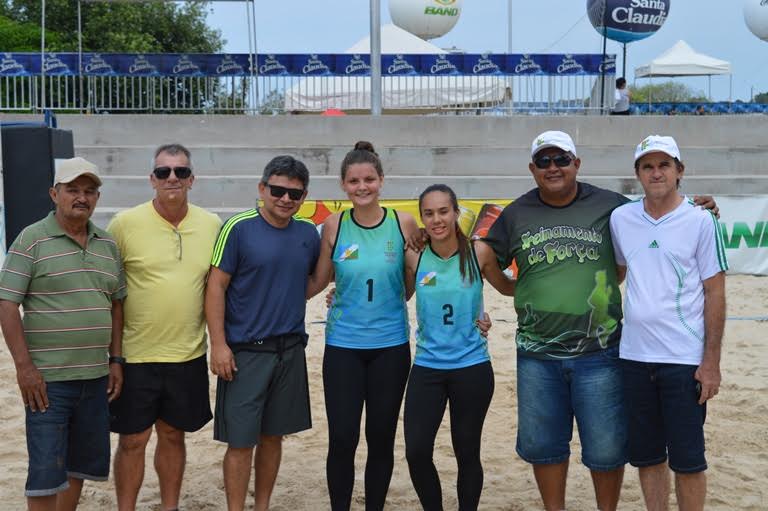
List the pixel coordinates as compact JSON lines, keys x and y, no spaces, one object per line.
{"x":166,"y":246}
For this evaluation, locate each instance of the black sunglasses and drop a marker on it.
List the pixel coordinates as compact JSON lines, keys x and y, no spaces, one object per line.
{"x":165,"y":172}
{"x":561,"y":160}
{"x":279,"y":191}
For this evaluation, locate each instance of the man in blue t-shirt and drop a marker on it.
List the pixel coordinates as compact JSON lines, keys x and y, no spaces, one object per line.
{"x":255,"y":306}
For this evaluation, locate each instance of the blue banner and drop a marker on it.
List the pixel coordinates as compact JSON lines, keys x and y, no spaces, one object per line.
{"x":484,"y":64}
{"x":353,"y":65}
{"x":442,"y":65}
{"x":312,"y":65}
{"x":16,"y":64}
{"x":239,"y":64}
{"x":400,"y":65}
{"x":526,"y":65}
{"x":274,"y":65}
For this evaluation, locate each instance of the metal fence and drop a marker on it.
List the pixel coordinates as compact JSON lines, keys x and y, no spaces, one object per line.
{"x":290,"y":94}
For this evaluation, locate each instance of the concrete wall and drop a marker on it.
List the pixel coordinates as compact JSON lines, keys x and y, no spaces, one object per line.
{"x":481,"y":157}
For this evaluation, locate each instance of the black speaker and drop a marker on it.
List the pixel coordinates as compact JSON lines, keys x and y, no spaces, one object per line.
{"x":28,"y":154}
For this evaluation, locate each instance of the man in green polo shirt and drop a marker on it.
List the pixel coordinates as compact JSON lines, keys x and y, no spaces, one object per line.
{"x":66,"y":273}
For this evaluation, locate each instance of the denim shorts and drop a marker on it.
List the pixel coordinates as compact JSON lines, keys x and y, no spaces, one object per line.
{"x":550,"y":393}
{"x":71,"y":439}
{"x":665,"y":417}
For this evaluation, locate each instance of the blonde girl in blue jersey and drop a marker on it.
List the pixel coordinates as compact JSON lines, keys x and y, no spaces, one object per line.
{"x":451,"y":363}
{"x":367,"y":355}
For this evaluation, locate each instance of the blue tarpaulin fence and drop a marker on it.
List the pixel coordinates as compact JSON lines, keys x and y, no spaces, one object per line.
{"x":239,"y":64}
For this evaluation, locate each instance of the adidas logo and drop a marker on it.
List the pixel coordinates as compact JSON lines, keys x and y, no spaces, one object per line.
{"x":653,"y":244}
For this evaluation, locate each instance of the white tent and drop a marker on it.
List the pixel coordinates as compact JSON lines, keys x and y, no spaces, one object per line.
{"x":398,"y":92}
{"x":682,"y":60}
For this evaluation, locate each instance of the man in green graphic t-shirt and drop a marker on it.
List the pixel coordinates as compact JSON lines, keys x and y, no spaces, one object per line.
{"x":568,"y":305}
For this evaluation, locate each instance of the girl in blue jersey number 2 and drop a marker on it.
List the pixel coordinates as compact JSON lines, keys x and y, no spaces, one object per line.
{"x":452,"y":363}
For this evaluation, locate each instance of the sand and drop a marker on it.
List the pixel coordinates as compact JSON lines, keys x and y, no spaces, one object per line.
{"x":736,"y":432}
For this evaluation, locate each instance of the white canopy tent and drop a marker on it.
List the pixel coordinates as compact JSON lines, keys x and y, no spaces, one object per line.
{"x":682,"y":60}
{"x":398,"y":92}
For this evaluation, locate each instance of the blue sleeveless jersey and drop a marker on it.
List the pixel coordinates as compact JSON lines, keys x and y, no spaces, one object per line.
{"x":446,"y":308}
{"x":368,"y":308}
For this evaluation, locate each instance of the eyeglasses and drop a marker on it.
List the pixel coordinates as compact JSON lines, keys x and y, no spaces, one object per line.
{"x":280,"y":191}
{"x":561,"y":160}
{"x":165,"y":172}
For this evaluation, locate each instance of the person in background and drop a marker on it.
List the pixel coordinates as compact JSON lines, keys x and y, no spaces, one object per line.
{"x":622,"y":97}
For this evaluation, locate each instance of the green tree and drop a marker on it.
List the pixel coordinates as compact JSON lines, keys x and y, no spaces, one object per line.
{"x":119,"y":27}
{"x":25,"y":37}
{"x":667,"y":92}
{"x":761,"y":98}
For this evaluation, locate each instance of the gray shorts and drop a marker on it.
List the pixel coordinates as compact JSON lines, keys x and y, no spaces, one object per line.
{"x":269,"y":395}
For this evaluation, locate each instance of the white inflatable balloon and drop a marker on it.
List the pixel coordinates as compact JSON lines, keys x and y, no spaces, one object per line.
{"x":427,"y":19}
{"x":756,"y":17}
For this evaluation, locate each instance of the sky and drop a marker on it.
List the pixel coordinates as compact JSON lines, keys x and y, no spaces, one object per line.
{"x":712,"y":27}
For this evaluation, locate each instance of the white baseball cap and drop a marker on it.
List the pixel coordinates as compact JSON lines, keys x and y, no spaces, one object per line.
{"x":657,"y":144}
{"x":553,"y":139}
{"x":69,"y":169}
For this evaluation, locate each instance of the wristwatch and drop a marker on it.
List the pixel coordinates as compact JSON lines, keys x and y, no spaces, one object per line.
{"x":117,"y":360}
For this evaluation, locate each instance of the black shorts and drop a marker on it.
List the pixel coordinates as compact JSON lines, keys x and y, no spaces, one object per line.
{"x":268,"y":395}
{"x":176,"y":392}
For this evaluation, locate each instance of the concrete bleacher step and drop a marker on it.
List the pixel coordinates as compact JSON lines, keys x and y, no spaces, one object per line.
{"x":406,"y":131}
{"x":227,"y":195}
{"x":409,"y":161}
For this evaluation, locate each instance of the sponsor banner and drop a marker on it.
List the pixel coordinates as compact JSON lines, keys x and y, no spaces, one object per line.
{"x":59,"y":64}
{"x":238,"y":64}
{"x":472,"y":211}
{"x":95,"y":64}
{"x":16,"y":64}
{"x":441,"y":65}
{"x":744,"y":226}
{"x":570,"y":64}
{"x":274,"y":64}
{"x":484,"y":64}
{"x":228,"y":65}
{"x":526,"y":64}
{"x":400,"y":65}
{"x":353,"y":65}
{"x":139,"y":65}
{"x":608,"y":65}
{"x":183,"y":65}
{"x":312,"y":65}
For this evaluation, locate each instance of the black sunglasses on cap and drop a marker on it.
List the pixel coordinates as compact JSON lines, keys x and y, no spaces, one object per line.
{"x":561,"y":160}
{"x":165,"y":172}
{"x":280,"y":191}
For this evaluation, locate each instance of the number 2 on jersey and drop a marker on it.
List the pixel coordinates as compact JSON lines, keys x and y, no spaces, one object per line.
{"x":448,"y":308}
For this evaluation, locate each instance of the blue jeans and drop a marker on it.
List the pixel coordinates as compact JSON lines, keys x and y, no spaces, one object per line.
{"x":550,"y":393}
{"x":70,"y":439}
{"x":665,"y":417}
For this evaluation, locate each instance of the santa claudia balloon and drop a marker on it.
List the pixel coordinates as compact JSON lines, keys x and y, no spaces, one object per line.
{"x":756,"y":17}
{"x":627,"y":20}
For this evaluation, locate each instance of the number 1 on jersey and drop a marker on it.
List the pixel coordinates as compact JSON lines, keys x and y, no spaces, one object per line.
{"x":370,"y":289}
